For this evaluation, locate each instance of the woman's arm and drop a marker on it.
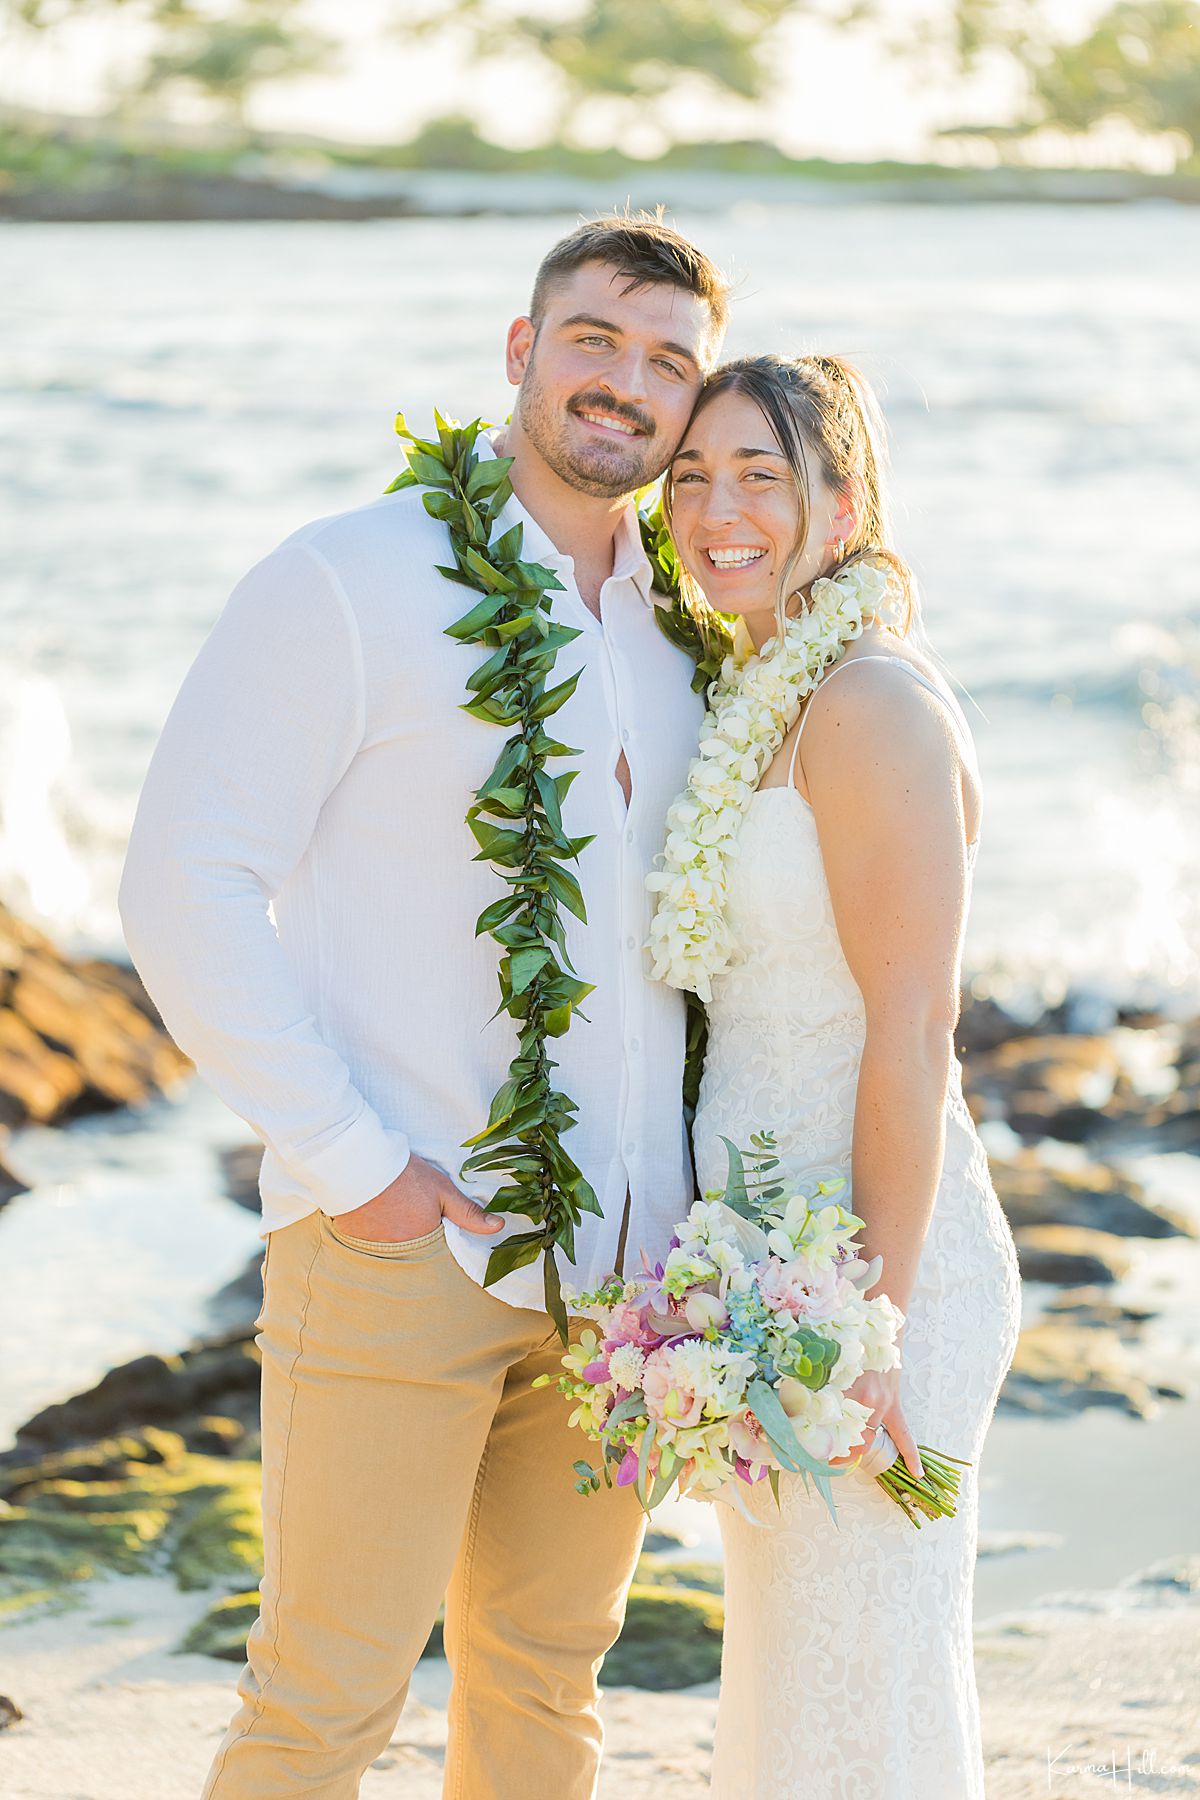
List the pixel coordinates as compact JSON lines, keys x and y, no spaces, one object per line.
{"x":884,"y":777}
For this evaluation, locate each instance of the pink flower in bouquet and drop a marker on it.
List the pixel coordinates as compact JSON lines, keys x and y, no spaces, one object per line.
{"x":628,"y":1325}
{"x":748,"y":1440}
{"x":667,"y":1399}
{"x":797,"y":1288}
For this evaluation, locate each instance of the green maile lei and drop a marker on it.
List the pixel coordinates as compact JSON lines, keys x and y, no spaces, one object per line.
{"x":516,"y":818}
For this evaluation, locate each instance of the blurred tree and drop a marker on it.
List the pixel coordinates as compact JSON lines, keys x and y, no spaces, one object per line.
{"x":1141,"y":62}
{"x":635,"y":50}
{"x":639,"y":48}
{"x":223,"y":53}
{"x":215,"y":49}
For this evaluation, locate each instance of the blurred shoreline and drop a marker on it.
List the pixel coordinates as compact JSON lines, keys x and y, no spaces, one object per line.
{"x":77,"y":170}
{"x":162,"y":198}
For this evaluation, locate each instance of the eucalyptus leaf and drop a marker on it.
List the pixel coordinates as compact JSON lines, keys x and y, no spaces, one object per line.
{"x":644,"y":1449}
{"x":736,"y":1197}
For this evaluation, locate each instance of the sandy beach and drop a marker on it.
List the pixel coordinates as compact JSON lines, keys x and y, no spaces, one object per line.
{"x":1088,"y":1695}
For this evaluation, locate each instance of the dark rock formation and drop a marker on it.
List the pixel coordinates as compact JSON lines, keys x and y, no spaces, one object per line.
{"x":1069,"y":1255}
{"x":219,"y":1377}
{"x":75,"y":1037}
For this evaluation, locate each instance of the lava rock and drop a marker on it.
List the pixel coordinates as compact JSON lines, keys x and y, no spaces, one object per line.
{"x":1095,"y":1198}
{"x":10,"y":1185}
{"x":239,"y":1169}
{"x":218,"y":1376}
{"x":1069,"y":1256}
{"x":1059,"y":1369}
{"x":75,"y":1036}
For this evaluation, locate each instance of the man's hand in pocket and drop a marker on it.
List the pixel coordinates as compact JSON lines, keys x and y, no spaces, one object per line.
{"x":414,"y":1205}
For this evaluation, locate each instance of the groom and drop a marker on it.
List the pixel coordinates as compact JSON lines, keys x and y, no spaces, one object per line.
{"x":317,"y":762}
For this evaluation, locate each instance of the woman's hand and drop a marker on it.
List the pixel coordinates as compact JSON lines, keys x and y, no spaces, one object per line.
{"x":882,"y":1394}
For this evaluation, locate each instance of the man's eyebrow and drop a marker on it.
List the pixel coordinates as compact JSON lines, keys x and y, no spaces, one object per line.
{"x":618,"y":331}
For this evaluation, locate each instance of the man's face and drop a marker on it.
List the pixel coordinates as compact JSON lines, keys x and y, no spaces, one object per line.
{"x":609,"y":379}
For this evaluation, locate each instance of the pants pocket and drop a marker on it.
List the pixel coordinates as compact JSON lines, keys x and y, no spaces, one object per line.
{"x":383,"y":1250}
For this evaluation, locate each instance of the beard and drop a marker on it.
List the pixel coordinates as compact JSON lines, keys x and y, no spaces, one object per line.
{"x":604,"y":470}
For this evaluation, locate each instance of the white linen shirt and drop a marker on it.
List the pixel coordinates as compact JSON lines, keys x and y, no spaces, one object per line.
{"x":300,"y":894}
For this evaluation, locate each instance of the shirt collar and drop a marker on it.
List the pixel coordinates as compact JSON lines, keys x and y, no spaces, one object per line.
{"x":630,"y":562}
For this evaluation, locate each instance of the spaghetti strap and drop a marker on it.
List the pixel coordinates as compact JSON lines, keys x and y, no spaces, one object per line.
{"x":957,"y":717}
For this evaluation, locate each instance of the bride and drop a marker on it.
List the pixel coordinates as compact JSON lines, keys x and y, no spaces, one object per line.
{"x":847,"y":1670}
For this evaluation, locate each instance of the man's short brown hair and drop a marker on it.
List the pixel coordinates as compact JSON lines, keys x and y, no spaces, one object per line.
{"x":642,"y":249}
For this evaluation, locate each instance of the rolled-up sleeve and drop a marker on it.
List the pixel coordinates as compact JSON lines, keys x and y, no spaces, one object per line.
{"x":268,"y":720}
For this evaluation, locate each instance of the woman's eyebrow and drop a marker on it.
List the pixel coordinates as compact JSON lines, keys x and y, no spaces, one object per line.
{"x":743,"y":455}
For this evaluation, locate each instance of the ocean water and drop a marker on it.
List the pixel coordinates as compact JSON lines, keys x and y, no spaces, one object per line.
{"x":177,"y":398}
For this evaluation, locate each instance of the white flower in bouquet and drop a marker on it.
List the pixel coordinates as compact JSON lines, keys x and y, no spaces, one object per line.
{"x":626,"y":1366}
{"x":827,"y":1423}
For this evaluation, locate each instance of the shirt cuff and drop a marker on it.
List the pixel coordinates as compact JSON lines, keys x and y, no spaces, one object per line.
{"x":356,"y":1166}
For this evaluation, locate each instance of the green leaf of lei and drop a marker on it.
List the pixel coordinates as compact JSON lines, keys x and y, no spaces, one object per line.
{"x":707,"y":641}
{"x":516,"y":819}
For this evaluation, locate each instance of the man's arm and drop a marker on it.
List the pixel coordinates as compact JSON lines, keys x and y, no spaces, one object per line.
{"x":264,"y":727}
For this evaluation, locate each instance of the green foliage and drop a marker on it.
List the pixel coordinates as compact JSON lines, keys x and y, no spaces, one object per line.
{"x":516,"y":820}
{"x":672,"y":1634}
{"x":678,"y":1572}
{"x":1140,"y":61}
{"x":632,"y":50}
{"x":707,"y":637}
{"x":222,"y":1630}
{"x":132,"y":1504}
{"x":638,"y":49}
{"x":671,"y":1639}
{"x":226,"y":54}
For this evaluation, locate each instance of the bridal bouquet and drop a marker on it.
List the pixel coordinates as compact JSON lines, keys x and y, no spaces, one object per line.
{"x":729,"y":1362}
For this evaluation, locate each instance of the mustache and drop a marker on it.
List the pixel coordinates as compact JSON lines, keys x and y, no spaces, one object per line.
{"x":606,"y":404}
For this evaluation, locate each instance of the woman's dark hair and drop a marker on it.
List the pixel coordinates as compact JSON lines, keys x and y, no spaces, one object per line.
{"x":822,"y":407}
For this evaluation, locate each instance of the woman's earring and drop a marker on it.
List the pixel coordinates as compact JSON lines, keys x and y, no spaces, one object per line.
{"x":839,"y":550}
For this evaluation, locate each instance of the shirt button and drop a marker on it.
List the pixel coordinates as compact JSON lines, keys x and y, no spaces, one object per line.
{"x":625,"y":737}
{"x":629,"y":835}
{"x":631,"y":942}
{"x":631,"y":1149}
{"x":635,"y":1045}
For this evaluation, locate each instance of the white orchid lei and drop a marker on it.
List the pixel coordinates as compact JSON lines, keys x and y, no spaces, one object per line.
{"x":752,"y":707}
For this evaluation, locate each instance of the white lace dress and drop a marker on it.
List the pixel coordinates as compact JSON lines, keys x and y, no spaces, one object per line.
{"x":847,"y":1670}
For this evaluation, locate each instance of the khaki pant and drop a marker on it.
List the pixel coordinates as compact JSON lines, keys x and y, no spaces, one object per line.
{"x":406,"y":1458}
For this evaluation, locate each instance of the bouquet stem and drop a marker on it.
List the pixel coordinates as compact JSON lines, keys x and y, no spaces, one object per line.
{"x":936,"y":1495}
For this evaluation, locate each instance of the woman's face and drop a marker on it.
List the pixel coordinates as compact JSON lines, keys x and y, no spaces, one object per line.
{"x":735,"y":509}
